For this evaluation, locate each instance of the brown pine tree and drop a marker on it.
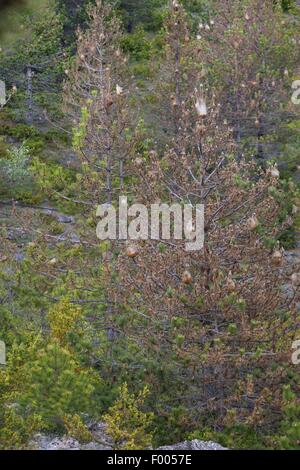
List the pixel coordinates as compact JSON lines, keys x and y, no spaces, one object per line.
{"x":219,"y":320}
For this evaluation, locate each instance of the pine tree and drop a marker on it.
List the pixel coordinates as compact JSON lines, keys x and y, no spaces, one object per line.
{"x":218,"y":313}
{"x":96,"y":98}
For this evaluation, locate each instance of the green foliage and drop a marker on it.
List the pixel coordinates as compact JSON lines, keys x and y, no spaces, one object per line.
{"x":288,"y":5}
{"x":77,"y":429}
{"x":127,"y":423}
{"x":20,"y":131}
{"x":63,"y":319}
{"x":15,"y":167}
{"x":289,"y":146}
{"x":40,"y":45}
{"x":55,"y":386}
{"x":51,"y":178}
{"x":290,"y":428}
{"x":15,"y":176}
{"x":79,"y":134}
{"x":72,"y":16}
{"x":43,"y":387}
{"x":15,"y":429}
{"x":137,"y":44}
{"x":234,"y":436}
{"x":150,"y":13}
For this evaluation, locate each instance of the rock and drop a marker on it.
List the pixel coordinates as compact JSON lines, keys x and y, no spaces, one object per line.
{"x":98,"y":430}
{"x":19,"y":256}
{"x":64,"y":219}
{"x":195,"y":444}
{"x":16,"y":234}
{"x":94,"y":446}
{"x":74,"y":238}
{"x":71,"y":237}
{"x":102,"y":441}
{"x":42,"y":442}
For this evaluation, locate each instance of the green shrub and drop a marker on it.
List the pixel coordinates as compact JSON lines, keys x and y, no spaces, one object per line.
{"x":127,"y":423}
{"x":290,"y":427}
{"x":137,"y":44}
{"x":57,"y":386}
{"x":15,"y":168}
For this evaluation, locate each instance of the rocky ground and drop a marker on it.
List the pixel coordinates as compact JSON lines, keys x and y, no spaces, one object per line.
{"x":103,"y":442}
